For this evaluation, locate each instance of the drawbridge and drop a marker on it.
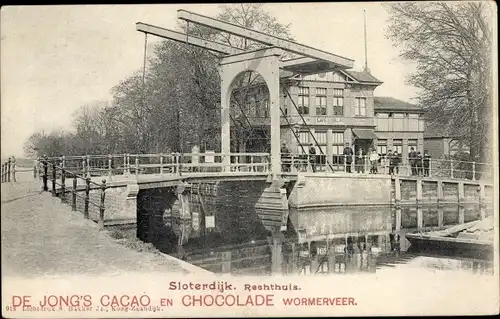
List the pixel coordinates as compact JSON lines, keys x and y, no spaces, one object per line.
{"x":268,"y":61}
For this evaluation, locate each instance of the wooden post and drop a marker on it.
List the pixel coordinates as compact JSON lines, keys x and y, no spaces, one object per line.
{"x":419,"y":191}
{"x":226,"y":262}
{"x":63,"y":184}
{"x":53,"y":178}
{"x":110,"y":166}
{"x":161,"y":164}
{"x":430,"y":167}
{"x":440,"y":216}
{"x":353,"y":164}
{"x":473,"y":171}
{"x":84,"y":170}
{"x":451,"y":168}
{"x":136,"y":165}
{"x":89,"y":169}
{"x":178,"y":163}
{"x":125,"y":164}
{"x":276,"y":256}
{"x":482,"y":201}
{"x":398,"y":219}
{"x":73,"y":193}
{"x":420,"y":218}
{"x":397,"y":190}
{"x":440,"y":195}
{"x":128,"y":164}
{"x":45,"y":174}
{"x":461,"y":192}
{"x":252,"y":168}
{"x":461,"y":214}
{"x":87,"y":198}
{"x":100,"y":222}
{"x":8,"y":169}
{"x":14,"y":169}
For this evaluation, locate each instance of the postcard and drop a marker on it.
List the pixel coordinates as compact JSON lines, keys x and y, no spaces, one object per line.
{"x":252,"y":159}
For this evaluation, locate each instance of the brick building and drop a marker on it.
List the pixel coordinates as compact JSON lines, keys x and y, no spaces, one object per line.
{"x":337,"y":108}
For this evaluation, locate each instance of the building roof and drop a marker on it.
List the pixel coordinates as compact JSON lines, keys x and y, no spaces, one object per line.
{"x":391,"y":104}
{"x":362,"y":77}
{"x":438,"y":130}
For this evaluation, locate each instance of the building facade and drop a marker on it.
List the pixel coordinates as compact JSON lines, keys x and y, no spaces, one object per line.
{"x":331,"y":110}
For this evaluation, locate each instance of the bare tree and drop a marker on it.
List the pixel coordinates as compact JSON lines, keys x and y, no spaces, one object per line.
{"x":450,"y":42}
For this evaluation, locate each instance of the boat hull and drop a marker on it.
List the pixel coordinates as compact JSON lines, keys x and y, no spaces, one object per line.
{"x":446,"y":246}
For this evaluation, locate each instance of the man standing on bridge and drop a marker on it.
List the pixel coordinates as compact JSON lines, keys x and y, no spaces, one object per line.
{"x":312,"y":157}
{"x":348,"y":157}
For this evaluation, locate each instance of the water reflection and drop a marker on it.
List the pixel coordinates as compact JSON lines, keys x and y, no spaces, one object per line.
{"x":338,"y":241}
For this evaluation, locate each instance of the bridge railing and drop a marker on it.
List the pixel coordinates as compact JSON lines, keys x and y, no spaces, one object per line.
{"x":55,"y":170}
{"x":446,"y":168}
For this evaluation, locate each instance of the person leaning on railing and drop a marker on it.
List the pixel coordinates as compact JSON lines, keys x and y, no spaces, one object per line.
{"x":348,"y":157}
{"x":390,"y":158}
{"x":427,"y":160}
{"x":359,"y":161}
{"x":374,"y":162}
{"x":412,"y":157}
{"x":285,"y":158}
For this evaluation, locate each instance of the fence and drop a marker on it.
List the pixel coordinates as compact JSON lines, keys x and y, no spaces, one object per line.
{"x":452,"y":169}
{"x":58,"y":178}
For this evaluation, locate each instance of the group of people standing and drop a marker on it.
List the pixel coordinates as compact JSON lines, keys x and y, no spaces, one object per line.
{"x":419,"y":164}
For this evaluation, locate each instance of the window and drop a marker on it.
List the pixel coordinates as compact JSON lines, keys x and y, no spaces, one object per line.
{"x":320,"y":137}
{"x":338,"y":147}
{"x":382,"y":122}
{"x":338,"y":77}
{"x":412,"y":143}
{"x":303,"y":100}
{"x":398,"y":146}
{"x":382,"y":147}
{"x":304,"y":137}
{"x":413,"y":123}
{"x":338,"y":102}
{"x":397,"y":122}
{"x":320,"y":101}
{"x":360,"y":106}
{"x":421,"y":124}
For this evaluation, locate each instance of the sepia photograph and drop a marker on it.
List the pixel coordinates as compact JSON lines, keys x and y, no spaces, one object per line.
{"x":249,"y":159}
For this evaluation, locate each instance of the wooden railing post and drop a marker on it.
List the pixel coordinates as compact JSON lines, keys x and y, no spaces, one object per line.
{"x":136,"y":165}
{"x":73,"y":193}
{"x":14,"y":169}
{"x":84,"y":170}
{"x":53,"y":178}
{"x":451,"y":168}
{"x":125,"y":164}
{"x":87,"y":198}
{"x":8,"y":169}
{"x":100,"y":222}
{"x":63,"y":184}
{"x":88,"y":166}
{"x":252,"y":167}
{"x":161,"y":164}
{"x":45,"y":174}
{"x":178,"y":163}
{"x":473,"y":171}
{"x":110,"y":164}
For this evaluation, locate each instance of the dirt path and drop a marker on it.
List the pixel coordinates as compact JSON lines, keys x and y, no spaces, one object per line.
{"x":41,"y":236}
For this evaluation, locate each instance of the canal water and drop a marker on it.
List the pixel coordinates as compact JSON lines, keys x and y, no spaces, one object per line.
{"x":361,"y":240}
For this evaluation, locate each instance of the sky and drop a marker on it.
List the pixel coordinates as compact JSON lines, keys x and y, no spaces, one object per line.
{"x":57,"y":58}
